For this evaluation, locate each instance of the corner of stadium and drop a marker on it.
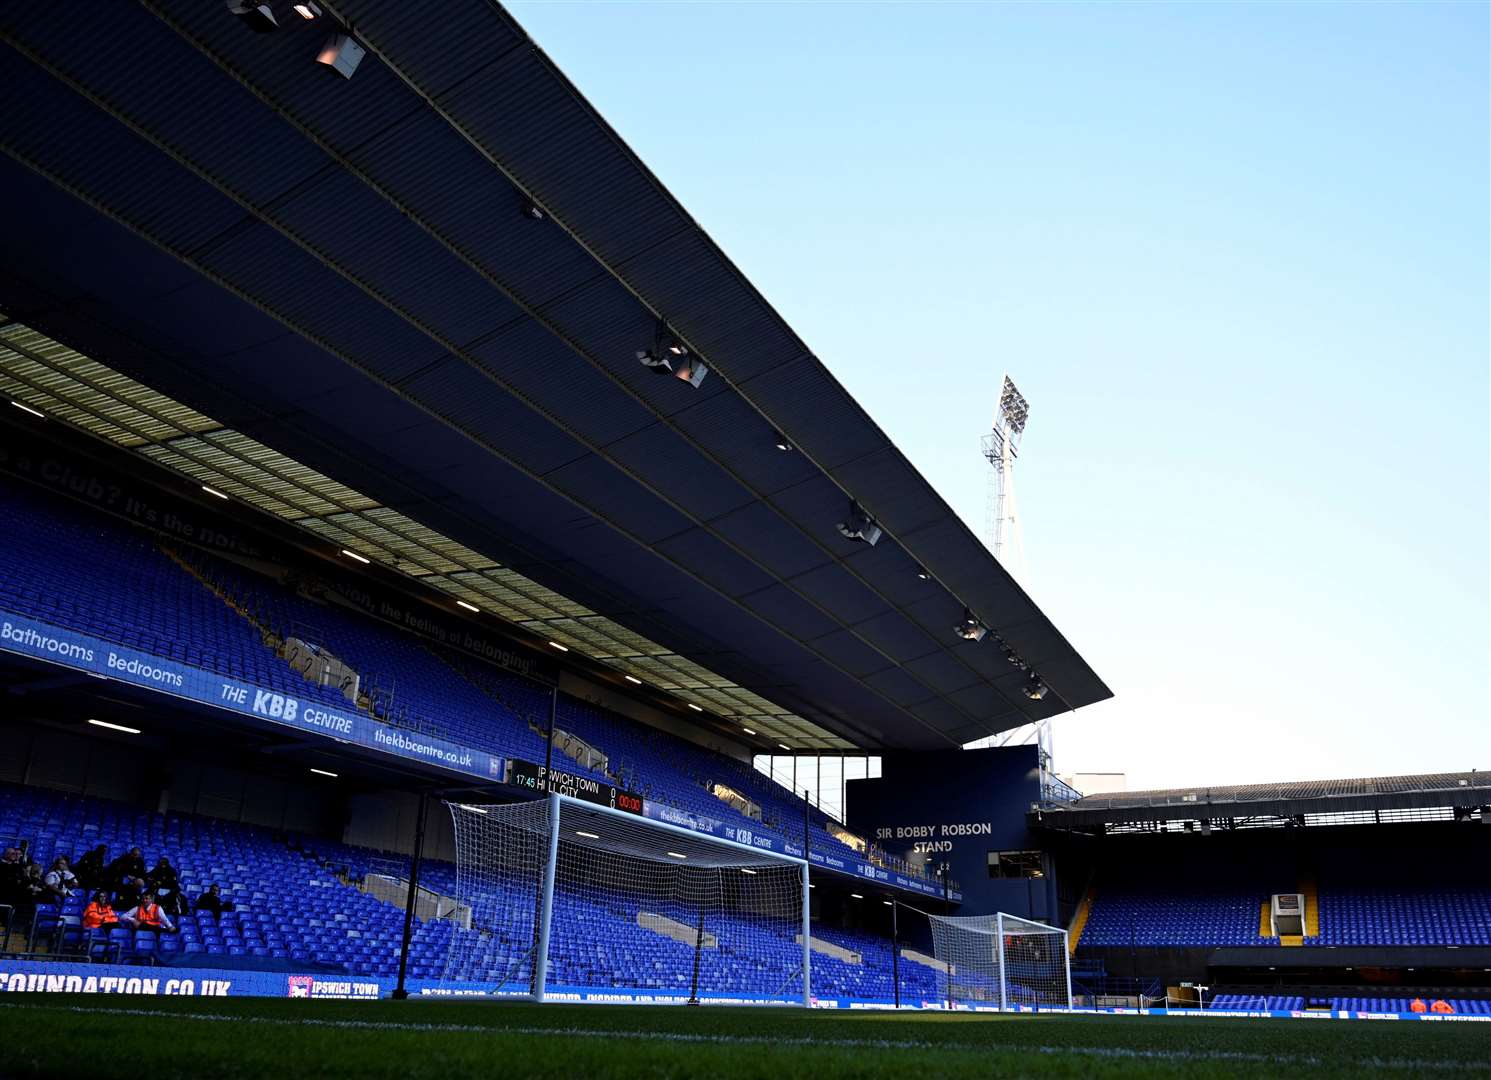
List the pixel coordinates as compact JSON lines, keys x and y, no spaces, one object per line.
{"x":420,"y":533}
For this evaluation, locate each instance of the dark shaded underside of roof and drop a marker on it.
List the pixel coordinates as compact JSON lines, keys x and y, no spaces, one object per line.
{"x":342,"y":271}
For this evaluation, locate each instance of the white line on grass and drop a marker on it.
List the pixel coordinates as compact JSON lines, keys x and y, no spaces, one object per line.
{"x":757,"y":1040}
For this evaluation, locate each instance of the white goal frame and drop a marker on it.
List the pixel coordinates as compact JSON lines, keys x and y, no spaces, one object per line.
{"x":557,"y":819}
{"x":976,"y":943}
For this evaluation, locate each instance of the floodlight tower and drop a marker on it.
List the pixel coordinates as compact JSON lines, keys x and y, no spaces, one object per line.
{"x":1001,"y":447}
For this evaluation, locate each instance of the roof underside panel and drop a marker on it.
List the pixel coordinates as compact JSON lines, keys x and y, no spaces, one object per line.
{"x":343,"y":271}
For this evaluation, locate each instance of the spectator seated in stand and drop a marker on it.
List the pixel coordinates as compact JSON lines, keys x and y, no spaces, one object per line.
{"x":59,"y":882}
{"x":1441,"y":1007}
{"x":128,"y":867}
{"x":1417,"y":1006}
{"x":32,"y":878}
{"x":148,"y":915}
{"x":99,"y":914}
{"x":12,"y":877}
{"x":165,"y":886}
{"x":212,"y":900}
{"x":91,"y":868}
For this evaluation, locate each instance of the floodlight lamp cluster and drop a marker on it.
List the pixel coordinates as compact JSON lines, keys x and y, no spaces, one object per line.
{"x":341,"y":52}
{"x":669,"y":356}
{"x":970,"y":628}
{"x":1035,"y":687}
{"x":859,"y":525}
{"x":1013,"y":407}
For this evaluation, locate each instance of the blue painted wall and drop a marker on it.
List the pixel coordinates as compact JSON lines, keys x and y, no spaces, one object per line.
{"x":961,"y":804}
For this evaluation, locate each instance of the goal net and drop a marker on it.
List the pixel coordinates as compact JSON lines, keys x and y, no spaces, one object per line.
{"x":574,"y":901}
{"x":1000,"y":960}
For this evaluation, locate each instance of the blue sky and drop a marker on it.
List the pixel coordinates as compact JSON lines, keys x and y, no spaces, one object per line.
{"x":1235,"y":256}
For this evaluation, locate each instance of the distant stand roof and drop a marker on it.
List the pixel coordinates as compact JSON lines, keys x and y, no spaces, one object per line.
{"x":1419,"y":791}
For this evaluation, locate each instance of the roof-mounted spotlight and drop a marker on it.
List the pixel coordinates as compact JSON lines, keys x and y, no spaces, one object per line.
{"x":341,"y":54}
{"x":859,"y":525}
{"x":1035,"y":688}
{"x":922,"y":575}
{"x":307,"y":10}
{"x":257,"y":17}
{"x":669,"y":356}
{"x":970,"y":629}
{"x":780,"y":441}
{"x":533,"y":211}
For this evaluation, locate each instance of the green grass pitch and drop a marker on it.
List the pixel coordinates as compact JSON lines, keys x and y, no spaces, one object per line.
{"x":152,"y":1038}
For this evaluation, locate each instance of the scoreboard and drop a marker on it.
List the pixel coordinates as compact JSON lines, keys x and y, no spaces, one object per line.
{"x":531,"y":777}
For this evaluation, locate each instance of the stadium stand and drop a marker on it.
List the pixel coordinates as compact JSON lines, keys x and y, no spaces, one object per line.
{"x":297,"y":901}
{"x":1217,"y":902}
{"x":78,"y":570}
{"x":90,"y":573}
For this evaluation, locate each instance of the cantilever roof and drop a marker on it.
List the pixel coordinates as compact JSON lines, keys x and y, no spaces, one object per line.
{"x":1465,"y":790}
{"x":341,"y":272}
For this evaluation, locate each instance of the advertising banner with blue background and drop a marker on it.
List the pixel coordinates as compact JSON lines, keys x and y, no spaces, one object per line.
{"x":33,"y":977}
{"x":31,"y":637}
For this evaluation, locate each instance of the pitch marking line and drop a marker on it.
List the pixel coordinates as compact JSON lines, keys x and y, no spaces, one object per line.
{"x":756,"y":1040}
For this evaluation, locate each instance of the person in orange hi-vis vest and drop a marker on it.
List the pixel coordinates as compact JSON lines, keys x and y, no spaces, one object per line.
{"x":1442,"y":1007}
{"x":1417,"y":1005}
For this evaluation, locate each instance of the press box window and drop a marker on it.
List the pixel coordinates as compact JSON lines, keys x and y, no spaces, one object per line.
{"x":1015,"y":864}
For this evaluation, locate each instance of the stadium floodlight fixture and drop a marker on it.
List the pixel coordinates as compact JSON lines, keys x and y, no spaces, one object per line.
{"x":307,"y":10}
{"x":970,"y":629}
{"x":785,"y":747}
{"x":473,"y":809}
{"x":691,"y":705}
{"x":341,"y":54}
{"x":780,"y":441}
{"x":354,"y":555}
{"x":115,"y":727}
{"x":27,"y":408}
{"x":587,"y":835}
{"x":747,"y":870}
{"x":632,"y":679}
{"x":556,"y":645}
{"x":859,"y":525}
{"x":1035,"y":688}
{"x":533,"y":211}
{"x":468,"y":607}
{"x":856,"y":896}
{"x":676,"y":855}
{"x":887,"y":903}
{"x":748,"y":731}
{"x":256,"y":16}
{"x":213,"y":491}
{"x":669,"y":356}
{"x":323,"y":772}
{"x":922,"y":575}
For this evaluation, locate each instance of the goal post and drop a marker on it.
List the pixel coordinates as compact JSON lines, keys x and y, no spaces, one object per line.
{"x":1001,"y":961}
{"x":575,"y":901}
